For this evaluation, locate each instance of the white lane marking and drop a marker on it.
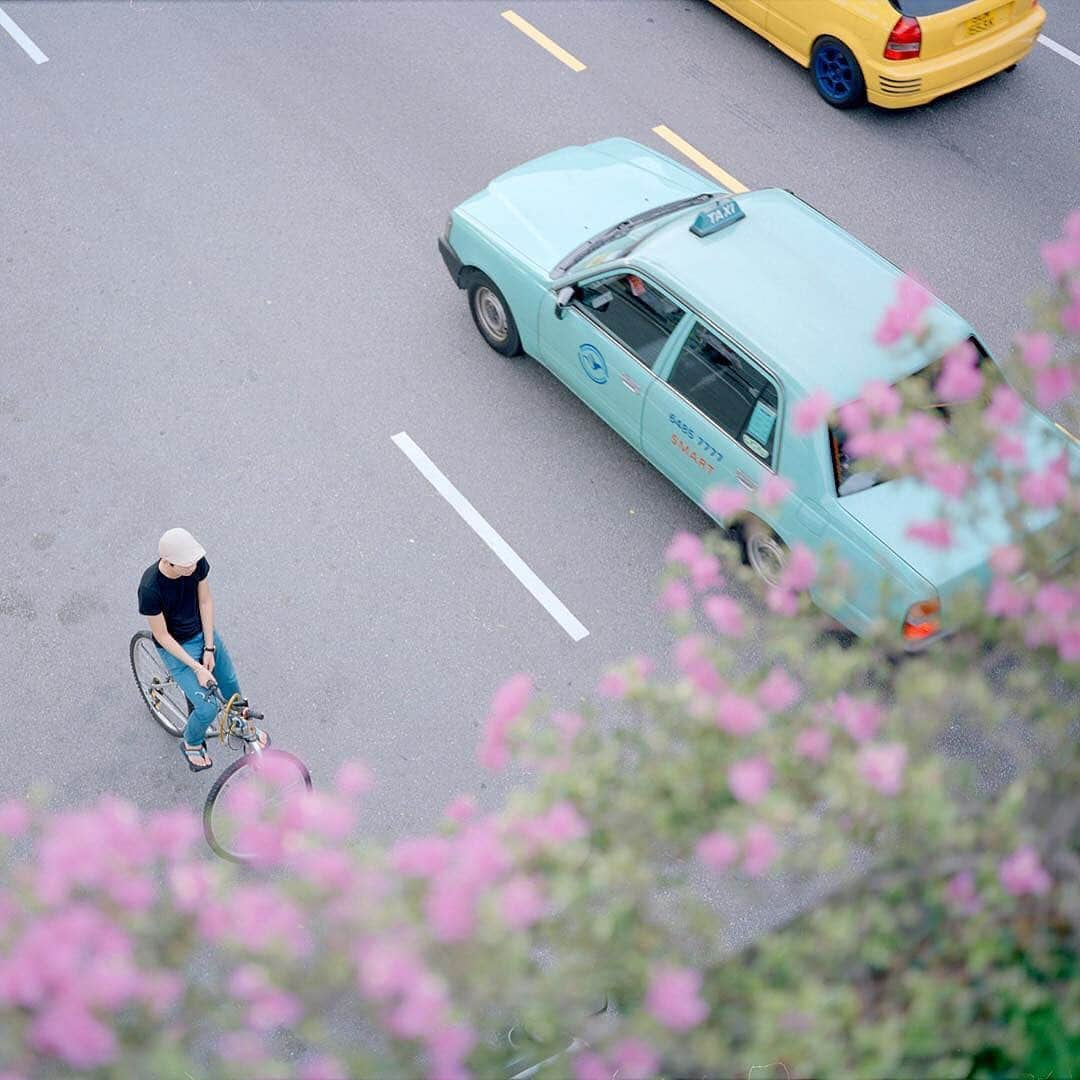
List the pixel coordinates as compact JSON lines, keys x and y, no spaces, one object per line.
{"x":513,"y":562}
{"x":24,"y":43}
{"x":1059,"y":49}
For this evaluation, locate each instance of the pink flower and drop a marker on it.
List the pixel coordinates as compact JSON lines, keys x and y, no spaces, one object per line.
{"x":1005,"y":409}
{"x":568,"y":724}
{"x":563,"y":824}
{"x":353,"y":778}
{"x":386,"y":967}
{"x":274,"y":1009}
{"x":190,"y":885}
{"x":717,"y":850}
{"x":905,"y":315}
{"x":922,"y":431}
{"x":962,"y":895}
{"x":1060,"y":257}
{"x":801,"y":569}
{"x":811,"y":412}
{"x":1007,"y":559}
{"x":462,"y":809}
{"x":590,"y":1066}
{"x":705,"y":572}
{"x":750,"y":779}
{"x":448,"y":1046}
{"x":614,"y":684}
{"x":66,"y":1029}
{"x":861,"y":719}
{"x":1010,"y":450}
{"x":935,"y":534}
{"x":881,"y":765}
{"x":812,"y":743}
{"x":676,"y":596}
{"x":420,"y":1013}
{"x":512,"y":697}
{"x":1054,"y":601}
{"x":725,"y":614}
{"x":782,"y":601}
{"x":634,"y":1059}
{"x":738,"y":715}
{"x":1036,"y":350}
{"x":688,"y":650}
{"x":880,"y":398}
{"x":1052,"y":385}
{"x":322,"y":1067}
{"x":1044,"y":489}
{"x":951,"y":478}
{"x":1022,"y":873}
{"x":760,"y":850}
{"x":774,"y":491}
{"x":960,"y":379}
{"x":422,"y":856}
{"x":778,"y":691}
{"x":522,"y":902}
{"x":704,"y":676}
{"x":684,"y":548}
{"x":725,"y":502}
{"x":1007,"y":600}
{"x":14,"y":818}
{"x":673,"y":998}
{"x":855,"y":417}
{"x":450,"y":906}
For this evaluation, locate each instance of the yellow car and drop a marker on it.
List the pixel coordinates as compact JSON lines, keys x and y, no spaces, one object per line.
{"x":896,"y":53}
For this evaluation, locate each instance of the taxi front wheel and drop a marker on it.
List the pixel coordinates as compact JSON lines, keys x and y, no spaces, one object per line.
{"x":491,"y":313}
{"x":763,"y":551}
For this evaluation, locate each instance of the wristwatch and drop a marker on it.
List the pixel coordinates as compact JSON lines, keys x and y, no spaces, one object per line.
{"x":209,"y":648}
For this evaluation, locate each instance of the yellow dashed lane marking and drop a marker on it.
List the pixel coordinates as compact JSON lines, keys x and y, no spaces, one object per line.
{"x":543,"y":41}
{"x":699,"y":159}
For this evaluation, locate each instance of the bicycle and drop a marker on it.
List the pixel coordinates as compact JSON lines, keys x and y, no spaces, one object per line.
{"x":259,"y":780}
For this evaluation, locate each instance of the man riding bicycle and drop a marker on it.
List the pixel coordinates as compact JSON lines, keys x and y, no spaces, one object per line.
{"x":175,"y":597}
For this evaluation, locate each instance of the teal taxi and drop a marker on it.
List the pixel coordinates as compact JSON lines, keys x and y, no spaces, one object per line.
{"x":692,"y":321}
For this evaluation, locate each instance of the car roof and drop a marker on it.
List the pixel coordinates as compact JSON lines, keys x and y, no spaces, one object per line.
{"x":800,"y":292}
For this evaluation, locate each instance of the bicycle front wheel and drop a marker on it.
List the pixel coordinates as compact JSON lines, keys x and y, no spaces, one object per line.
{"x":242,"y":816}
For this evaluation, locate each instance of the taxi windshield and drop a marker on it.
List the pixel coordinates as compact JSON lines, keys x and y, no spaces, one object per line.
{"x":917,"y":391}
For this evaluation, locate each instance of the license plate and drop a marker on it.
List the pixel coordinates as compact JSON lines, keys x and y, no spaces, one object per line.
{"x":979,"y":23}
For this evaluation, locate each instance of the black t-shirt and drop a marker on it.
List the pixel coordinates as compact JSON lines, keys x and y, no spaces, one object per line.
{"x":178,"y":599}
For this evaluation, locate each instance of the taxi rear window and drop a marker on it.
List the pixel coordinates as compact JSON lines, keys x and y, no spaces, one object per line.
{"x":926,"y":7}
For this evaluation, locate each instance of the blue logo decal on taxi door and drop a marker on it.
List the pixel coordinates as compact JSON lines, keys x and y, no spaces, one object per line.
{"x":592,"y":363}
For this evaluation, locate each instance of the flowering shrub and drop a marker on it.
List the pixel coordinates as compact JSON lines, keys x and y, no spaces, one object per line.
{"x":922,"y":917}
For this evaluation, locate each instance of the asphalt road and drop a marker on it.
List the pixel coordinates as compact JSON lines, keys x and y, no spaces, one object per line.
{"x":221,"y":298}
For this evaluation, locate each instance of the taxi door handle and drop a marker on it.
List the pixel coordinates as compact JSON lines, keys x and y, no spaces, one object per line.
{"x":630,"y":384}
{"x":745,"y":480}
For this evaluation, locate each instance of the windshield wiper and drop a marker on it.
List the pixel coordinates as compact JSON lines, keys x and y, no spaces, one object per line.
{"x":624,"y":227}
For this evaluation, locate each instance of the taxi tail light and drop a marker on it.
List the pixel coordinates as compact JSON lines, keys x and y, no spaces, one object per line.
{"x":905,"y":40}
{"x":923,"y":620}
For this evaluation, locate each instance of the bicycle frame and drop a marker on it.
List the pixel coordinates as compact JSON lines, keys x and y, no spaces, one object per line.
{"x":233,"y":723}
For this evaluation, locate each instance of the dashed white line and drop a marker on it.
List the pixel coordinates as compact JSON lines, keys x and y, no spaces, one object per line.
{"x":1059,"y":49}
{"x":21,"y":39}
{"x":511,"y":560}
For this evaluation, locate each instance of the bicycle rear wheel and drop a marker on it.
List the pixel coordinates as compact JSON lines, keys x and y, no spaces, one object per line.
{"x":241,"y":816}
{"x":160,"y":691}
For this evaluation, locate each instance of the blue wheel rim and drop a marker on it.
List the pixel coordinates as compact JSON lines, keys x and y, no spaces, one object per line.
{"x":834,"y":72}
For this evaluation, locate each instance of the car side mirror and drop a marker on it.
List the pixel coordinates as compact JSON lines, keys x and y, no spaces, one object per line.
{"x":563,"y":299}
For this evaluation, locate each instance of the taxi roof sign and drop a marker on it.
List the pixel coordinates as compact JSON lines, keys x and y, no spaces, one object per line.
{"x":719,"y":216}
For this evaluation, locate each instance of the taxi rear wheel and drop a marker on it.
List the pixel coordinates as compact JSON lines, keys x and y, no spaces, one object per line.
{"x":763,"y":551}
{"x":492,"y":316}
{"x":837,"y":75}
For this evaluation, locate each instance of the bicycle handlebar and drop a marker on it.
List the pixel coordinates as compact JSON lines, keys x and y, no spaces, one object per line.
{"x":213,"y":687}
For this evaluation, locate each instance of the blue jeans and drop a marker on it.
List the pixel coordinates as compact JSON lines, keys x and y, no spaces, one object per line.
{"x":204,"y":707}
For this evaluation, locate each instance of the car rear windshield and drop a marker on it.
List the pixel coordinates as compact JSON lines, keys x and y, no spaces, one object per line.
{"x":917,"y":391}
{"x":926,"y":7}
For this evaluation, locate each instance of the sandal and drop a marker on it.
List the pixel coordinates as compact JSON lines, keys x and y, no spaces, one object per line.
{"x":192,"y":753}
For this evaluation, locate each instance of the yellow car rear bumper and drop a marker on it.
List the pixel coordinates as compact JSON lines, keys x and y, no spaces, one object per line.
{"x":899,"y":84}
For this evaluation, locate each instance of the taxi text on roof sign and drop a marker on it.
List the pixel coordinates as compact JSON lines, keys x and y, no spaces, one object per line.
{"x":716,"y":217}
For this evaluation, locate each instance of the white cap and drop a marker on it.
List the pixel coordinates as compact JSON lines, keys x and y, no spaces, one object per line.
{"x":179,"y":547}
